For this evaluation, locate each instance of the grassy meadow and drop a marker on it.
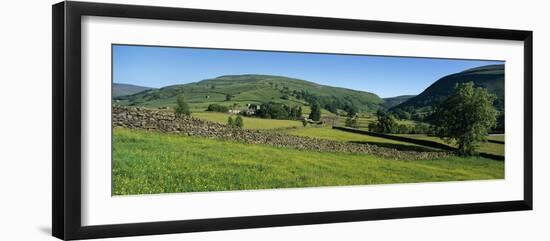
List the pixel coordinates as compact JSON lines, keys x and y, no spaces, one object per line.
{"x":496,"y":138}
{"x":326,"y":132}
{"x":259,"y":123}
{"x":250,"y":123}
{"x":146,"y":162}
{"x":487,"y":147}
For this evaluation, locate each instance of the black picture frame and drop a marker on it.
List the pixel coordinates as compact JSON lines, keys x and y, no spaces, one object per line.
{"x":66,"y":128}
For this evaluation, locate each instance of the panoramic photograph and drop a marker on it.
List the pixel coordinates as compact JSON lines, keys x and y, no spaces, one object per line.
{"x":202,"y":120}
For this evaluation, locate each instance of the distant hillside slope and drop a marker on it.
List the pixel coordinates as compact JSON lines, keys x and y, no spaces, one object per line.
{"x":251,"y":89}
{"x":490,"y":77}
{"x":393,"y":101}
{"x":127,"y":89}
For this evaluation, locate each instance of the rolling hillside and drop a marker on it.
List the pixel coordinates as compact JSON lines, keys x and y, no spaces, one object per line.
{"x":127,"y":89}
{"x":490,"y":77}
{"x":393,"y":101}
{"x":242,"y":89}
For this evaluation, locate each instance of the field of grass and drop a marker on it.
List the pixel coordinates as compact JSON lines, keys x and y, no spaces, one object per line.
{"x":365,"y":119}
{"x":407,"y":122}
{"x":496,"y":137}
{"x":488,"y":147}
{"x":249,"y":122}
{"x":150,"y":162}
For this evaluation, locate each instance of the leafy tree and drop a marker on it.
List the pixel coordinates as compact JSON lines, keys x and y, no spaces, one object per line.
{"x":332,"y":107}
{"x":228,"y":97}
{"x":304,"y":122}
{"x":230,"y":122}
{"x":292,"y":114}
{"x":273,"y":110}
{"x":500,"y":122}
{"x":217,"y":108}
{"x":402,"y":129}
{"x":402,"y":114}
{"x":373,"y":127}
{"x":420,"y":128}
{"x":465,"y":117}
{"x":182,"y":108}
{"x":239,"y":122}
{"x":288,"y":111}
{"x":295,"y":112}
{"x":315,"y":111}
{"x":386,"y":123}
{"x":351,"y":110}
{"x":352,"y":122}
{"x":418,"y":117}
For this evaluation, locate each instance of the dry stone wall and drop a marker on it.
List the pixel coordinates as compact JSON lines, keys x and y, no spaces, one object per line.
{"x":165,"y":121}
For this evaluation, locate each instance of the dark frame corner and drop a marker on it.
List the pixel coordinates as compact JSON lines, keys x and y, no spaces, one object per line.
{"x":66,"y":128}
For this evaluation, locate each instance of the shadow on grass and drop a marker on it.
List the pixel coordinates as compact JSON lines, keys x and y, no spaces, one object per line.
{"x":400,"y":147}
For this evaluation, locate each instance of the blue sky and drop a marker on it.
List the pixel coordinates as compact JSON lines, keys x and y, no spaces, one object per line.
{"x":382,"y":75}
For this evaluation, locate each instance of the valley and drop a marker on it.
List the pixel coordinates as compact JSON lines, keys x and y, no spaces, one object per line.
{"x":280,"y":143}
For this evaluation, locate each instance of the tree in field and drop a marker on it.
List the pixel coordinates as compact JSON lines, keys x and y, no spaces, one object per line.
{"x":228,"y":97}
{"x":304,"y":122}
{"x":315,"y":111}
{"x":465,"y":117}
{"x":182,"y":109}
{"x":386,"y":123}
{"x":500,"y":122}
{"x":332,"y":107}
{"x":230,"y":122}
{"x":295,"y":112}
{"x":273,"y":110}
{"x":292,"y":113}
{"x":217,"y":108}
{"x":401,"y":114}
{"x":352,"y":122}
{"x":352,"y":111}
{"x":239,"y":123}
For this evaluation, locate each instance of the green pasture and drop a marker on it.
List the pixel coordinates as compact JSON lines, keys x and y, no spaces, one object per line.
{"x":249,"y":122}
{"x":496,"y":137}
{"x":487,"y":147}
{"x":364,"y":119}
{"x":149,"y":162}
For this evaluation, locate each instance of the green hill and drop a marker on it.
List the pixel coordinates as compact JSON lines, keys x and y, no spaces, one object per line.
{"x":127,"y":89}
{"x":393,"y":101}
{"x":490,"y":77}
{"x":244,"y":89}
